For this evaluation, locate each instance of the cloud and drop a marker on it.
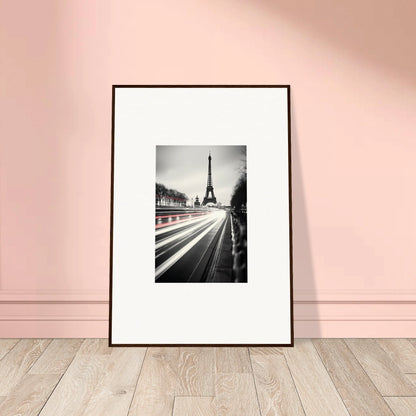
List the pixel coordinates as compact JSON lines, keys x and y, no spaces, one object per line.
{"x":185,"y":168}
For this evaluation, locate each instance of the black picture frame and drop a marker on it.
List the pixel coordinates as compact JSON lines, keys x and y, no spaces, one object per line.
{"x":111,"y":280}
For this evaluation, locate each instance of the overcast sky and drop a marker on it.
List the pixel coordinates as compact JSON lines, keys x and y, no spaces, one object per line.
{"x":185,"y":168}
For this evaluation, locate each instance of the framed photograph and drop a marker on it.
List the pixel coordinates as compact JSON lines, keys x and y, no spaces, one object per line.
{"x":201,"y":235}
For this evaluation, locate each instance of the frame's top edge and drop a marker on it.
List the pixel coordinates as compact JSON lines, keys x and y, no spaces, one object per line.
{"x":200,"y":86}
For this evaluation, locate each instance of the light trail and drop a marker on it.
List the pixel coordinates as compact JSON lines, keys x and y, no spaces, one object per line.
{"x":161,"y":252}
{"x":181,"y":215}
{"x":185,"y":233}
{"x":176,"y":225}
{"x":167,"y":224}
{"x":217,"y":217}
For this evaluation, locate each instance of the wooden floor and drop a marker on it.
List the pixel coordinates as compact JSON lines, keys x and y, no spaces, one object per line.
{"x":71,"y":377}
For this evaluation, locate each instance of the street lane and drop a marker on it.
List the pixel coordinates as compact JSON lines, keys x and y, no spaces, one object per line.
{"x":183,"y":248}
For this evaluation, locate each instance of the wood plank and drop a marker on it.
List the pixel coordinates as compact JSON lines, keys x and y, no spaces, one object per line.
{"x":28,"y":397}
{"x":232,"y":360}
{"x":57,"y":356}
{"x":276,"y":390}
{"x":6,"y":345}
{"x":76,"y":387}
{"x":196,"y":372}
{"x":114,"y":391}
{"x":381,"y":369}
{"x":194,"y":406}
{"x":412,"y":378}
{"x":266,"y":351}
{"x":316,"y":390}
{"x":353,"y":384}
{"x":412,"y":341}
{"x":18,"y":362}
{"x":235,"y":395}
{"x":402,"y":406}
{"x":155,"y":389}
{"x":402,"y":352}
{"x":95,"y":346}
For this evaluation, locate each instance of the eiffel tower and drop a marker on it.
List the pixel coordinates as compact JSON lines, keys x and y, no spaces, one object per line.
{"x":210,"y":189}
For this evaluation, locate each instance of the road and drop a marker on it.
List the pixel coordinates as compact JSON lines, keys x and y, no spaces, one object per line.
{"x":193,"y":246}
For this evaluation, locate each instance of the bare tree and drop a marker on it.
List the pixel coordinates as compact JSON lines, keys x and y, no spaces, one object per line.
{"x":165,"y":196}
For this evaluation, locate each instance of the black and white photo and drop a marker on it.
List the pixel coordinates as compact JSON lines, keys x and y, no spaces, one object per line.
{"x":201,"y":214}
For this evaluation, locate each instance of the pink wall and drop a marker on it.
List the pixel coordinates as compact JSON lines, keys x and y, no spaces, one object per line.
{"x":352,"y":68}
